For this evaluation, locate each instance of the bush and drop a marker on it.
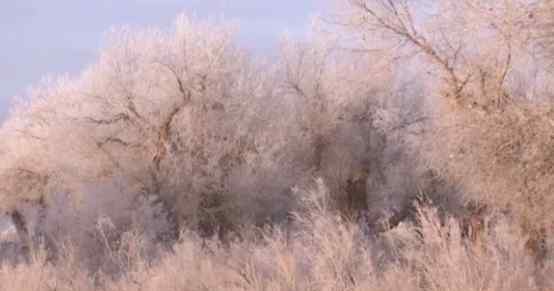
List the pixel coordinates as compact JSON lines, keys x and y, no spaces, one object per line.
{"x":320,"y":251}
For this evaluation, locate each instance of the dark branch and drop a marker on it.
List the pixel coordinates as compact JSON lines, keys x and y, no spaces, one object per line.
{"x":115,"y":119}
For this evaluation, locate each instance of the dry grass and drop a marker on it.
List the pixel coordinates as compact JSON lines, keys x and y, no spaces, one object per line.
{"x":320,"y":251}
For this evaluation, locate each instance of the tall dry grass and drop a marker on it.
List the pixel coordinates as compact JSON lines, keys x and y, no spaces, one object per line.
{"x":318,"y":251}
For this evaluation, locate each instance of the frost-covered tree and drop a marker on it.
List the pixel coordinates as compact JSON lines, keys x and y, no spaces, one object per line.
{"x":190,"y":123}
{"x":174,"y":114}
{"x":493,"y":125}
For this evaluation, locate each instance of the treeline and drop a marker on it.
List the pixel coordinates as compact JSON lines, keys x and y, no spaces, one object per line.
{"x":401,"y":108}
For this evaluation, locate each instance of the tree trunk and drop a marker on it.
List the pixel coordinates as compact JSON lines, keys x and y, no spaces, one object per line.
{"x":23,"y":232}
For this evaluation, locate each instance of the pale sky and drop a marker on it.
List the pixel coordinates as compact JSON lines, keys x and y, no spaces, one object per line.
{"x":49,"y":37}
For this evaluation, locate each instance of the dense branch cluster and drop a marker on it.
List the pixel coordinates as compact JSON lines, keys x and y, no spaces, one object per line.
{"x":184,"y":137}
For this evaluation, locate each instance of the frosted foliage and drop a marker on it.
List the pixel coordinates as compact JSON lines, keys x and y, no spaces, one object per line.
{"x":399,"y":139}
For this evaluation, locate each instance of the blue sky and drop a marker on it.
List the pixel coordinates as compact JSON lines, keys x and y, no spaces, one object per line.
{"x":48,"y":37}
